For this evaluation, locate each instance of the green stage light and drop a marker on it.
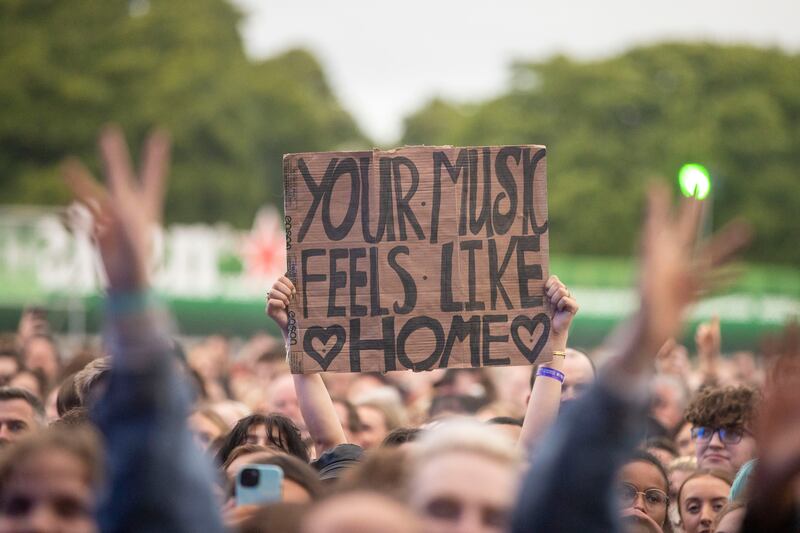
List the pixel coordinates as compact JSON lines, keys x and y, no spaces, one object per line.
{"x":694,"y":181}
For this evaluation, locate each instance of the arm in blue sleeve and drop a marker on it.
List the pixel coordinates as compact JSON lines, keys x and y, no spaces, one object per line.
{"x":569,"y":487}
{"x":158,"y":479}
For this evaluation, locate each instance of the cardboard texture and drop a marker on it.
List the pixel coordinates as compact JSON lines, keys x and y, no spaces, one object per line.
{"x":417,"y":258}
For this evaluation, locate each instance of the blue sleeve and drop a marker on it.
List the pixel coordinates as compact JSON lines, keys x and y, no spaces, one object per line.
{"x":157,"y":478}
{"x":569,"y":486}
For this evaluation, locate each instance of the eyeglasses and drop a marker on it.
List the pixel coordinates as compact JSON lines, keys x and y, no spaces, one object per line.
{"x":653,"y":498}
{"x":726,"y":435}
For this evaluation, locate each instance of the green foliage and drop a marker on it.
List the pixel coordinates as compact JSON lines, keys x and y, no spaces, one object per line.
{"x":67,"y":68}
{"x":613,"y":125}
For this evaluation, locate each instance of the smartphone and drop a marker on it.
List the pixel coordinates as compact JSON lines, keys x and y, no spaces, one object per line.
{"x":257,"y":484}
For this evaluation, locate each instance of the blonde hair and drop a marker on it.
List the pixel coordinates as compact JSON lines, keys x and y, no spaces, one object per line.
{"x":464,"y":435}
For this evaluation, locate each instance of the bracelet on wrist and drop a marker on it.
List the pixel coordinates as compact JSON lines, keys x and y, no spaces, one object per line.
{"x":550,"y":373}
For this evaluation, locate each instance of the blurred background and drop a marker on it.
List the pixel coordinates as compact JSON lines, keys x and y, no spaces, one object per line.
{"x":622,"y":92}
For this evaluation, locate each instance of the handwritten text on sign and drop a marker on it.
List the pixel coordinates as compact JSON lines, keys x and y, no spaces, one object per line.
{"x":417,"y":258}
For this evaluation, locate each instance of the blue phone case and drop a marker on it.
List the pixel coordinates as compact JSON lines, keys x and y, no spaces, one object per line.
{"x":268,"y":488}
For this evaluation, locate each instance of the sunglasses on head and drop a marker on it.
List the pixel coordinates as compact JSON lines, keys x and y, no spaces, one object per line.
{"x":726,"y":435}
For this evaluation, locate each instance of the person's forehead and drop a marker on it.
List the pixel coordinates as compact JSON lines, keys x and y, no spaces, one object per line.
{"x":578,"y":368}
{"x":643,"y":475}
{"x":705,"y":487}
{"x":15,"y":409}
{"x":465,"y":475}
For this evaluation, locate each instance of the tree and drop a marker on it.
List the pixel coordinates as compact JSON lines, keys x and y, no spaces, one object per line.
{"x":614,"y":124}
{"x":69,"y":67}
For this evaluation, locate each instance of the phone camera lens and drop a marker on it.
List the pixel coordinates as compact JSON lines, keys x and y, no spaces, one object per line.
{"x":249,"y":477}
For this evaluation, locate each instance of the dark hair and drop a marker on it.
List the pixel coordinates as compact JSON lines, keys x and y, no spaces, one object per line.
{"x":505,"y":421}
{"x":728,"y":407}
{"x":14,"y":393}
{"x":399,"y":436}
{"x":67,"y":397}
{"x":647,"y":457}
{"x":661,"y":443}
{"x":703,"y":472}
{"x":281,"y":433}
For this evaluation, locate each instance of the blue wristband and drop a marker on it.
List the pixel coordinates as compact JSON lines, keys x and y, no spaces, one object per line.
{"x":550,"y":373}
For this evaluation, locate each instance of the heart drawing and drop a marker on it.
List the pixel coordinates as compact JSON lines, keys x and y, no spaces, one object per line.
{"x":531,"y":325}
{"x":322,"y":336}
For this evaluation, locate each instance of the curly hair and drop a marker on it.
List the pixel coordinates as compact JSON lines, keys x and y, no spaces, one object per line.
{"x":724,"y":407}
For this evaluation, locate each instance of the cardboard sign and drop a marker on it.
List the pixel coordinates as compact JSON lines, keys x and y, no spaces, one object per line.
{"x":417,"y":258}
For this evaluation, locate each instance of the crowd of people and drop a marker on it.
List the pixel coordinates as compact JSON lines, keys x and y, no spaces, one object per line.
{"x":145,"y":431}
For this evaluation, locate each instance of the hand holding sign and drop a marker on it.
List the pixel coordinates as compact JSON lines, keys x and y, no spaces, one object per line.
{"x":564,"y":309}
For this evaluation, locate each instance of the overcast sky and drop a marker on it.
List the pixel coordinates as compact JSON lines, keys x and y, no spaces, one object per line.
{"x":386,"y":59}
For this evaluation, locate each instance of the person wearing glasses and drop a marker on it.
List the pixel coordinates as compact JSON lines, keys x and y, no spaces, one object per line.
{"x":721,"y":420}
{"x":642,"y":495}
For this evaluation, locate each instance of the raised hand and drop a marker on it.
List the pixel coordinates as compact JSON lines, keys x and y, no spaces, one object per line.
{"x":278,"y":300}
{"x":564,"y":307}
{"x":124,"y":213}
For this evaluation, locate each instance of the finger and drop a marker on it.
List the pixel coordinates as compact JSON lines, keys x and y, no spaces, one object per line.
{"x":568,"y":304}
{"x":555,"y":288}
{"x":117,"y":161}
{"x":155,"y":164}
{"x":274,"y":306}
{"x":286,"y":281}
{"x":283,"y":289}
{"x":558,"y":295}
{"x":691,"y":212}
{"x":275,"y":294}
{"x":726,"y":243}
{"x":80,"y":182}
{"x":551,"y":281}
{"x":658,"y":207}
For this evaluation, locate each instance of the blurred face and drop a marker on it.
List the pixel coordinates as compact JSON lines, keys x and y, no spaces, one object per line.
{"x":205,"y":431}
{"x":722,"y":454}
{"x":8,"y":367}
{"x":683,"y":439}
{"x":28,"y":382}
{"x":702,"y":499}
{"x":578,"y":375}
{"x":16,"y":419}
{"x":731,"y":522}
{"x":463,"y":492}
{"x":643,"y":493}
{"x":40,"y":353}
{"x":283,"y":399}
{"x":48,"y":492}
{"x":676,"y":479}
{"x":373,"y":427}
{"x":666,"y":408}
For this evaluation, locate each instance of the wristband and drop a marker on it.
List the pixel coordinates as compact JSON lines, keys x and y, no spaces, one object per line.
{"x":550,"y":373}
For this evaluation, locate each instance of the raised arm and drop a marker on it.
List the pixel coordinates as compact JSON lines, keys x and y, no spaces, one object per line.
{"x":158,"y":479}
{"x":573,"y":471}
{"x":312,"y":394}
{"x":546,"y":392}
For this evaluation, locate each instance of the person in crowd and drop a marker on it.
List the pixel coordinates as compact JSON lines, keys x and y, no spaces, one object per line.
{"x":20,"y":413}
{"x":348,"y":418}
{"x":683,"y":440}
{"x":49,"y":481}
{"x":33,"y":381}
{"x":701,"y":498}
{"x":670,"y":398}
{"x":41,"y":352}
{"x":463,"y":477}
{"x":401,"y":436}
{"x":376,"y":423}
{"x":377,"y":514}
{"x":384,"y":470}
{"x":722,"y":427}
{"x":265,"y":430}
{"x":643,"y":494}
{"x":511,"y":426}
{"x":678,"y":471}
{"x":67,"y":397}
{"x":579,"y":373}
{"x":207,"y":426}
{"x":662,"y":449}
{"x":10,"y":364}
{"x":158,"y":480}
{"x":276,"y":517}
